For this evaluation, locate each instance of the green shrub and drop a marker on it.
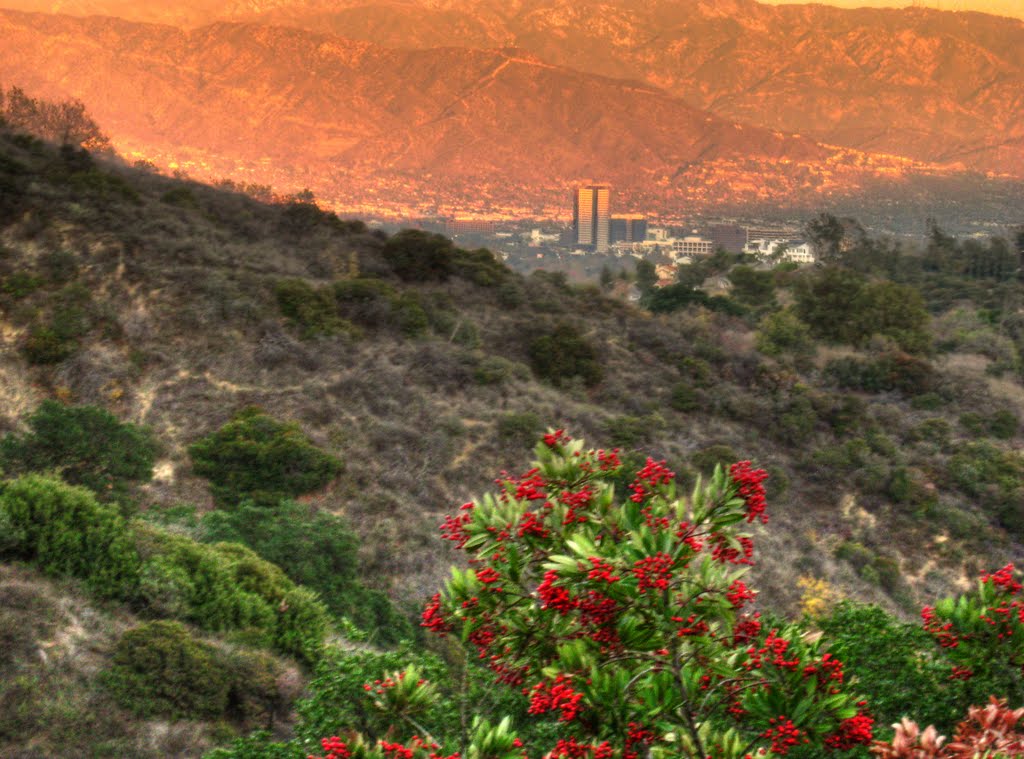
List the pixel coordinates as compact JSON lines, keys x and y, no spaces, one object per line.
{"x":856,"y":554}
{"x":102,"y":186}
{"x":20,"y":284}
{"x":889,"y":575}
{"x":257,"y":458}
{"x":227,"y":587}
{"x":44,"y":345}
{"x":420,"y":256}
{"x":312,"y":311}
{"x":1003,"y":424}
{"x":927,"y":402}
{"x":697,"y":370}
{"x":631,"y":431}
{"x":260,"y":745}
{"x":519,"y":426}
{"x":753,"y":287}
{"x":840,"y":305}
{"x":57,"y":337}
{"x":794,"y":417}
{"x":253,"y":693}
{"x":317,"y":550}
{"x":60,"y":266}
{"x":337,"y":700}
{"x":782,"y":332}
{"x":893,"y":665}
{"x":361,"y":290}
{"x":86,"y":445}
{"x":201,"y":584}
{"x":562,"y":354}
{"x":408,"y":316}
{"x":181,"y":197}
{"x":706,"y":459}
{"x":64,"y":531}
{"x":973,"y":423}
{"x":935,"y":430}
{"x":495,"y":370}
{"x":684,"y":397}
{"x":901,"y":372}
{"x":511,"y":293}
{"x":479,"y":267}
{"x":159,"y":669}
{"x":366,"y":302}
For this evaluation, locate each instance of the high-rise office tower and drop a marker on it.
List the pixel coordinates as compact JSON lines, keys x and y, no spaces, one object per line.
{"x":591,"y":215}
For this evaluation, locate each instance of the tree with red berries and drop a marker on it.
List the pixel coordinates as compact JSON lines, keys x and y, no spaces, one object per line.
{"x":625,"y":616}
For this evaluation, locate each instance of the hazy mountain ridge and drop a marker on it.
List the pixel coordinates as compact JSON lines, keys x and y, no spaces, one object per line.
{"x":930,"y":85}
{"x":344,"y":116}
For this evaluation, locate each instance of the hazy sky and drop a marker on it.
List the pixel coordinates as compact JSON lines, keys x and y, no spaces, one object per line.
{"x":999,"y":7}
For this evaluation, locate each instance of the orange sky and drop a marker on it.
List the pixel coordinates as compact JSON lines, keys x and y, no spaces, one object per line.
{"x":999,"y":7}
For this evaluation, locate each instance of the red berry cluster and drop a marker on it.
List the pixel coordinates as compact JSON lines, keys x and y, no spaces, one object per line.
{"x":433,"y":618}
{"x":488,"y":576}
{"x":691,"y":626}
{"x":738,"y":594}
{"x":602,"y":571}
{"x":557,"y":696}
{"x":556,"y":438}
{"x":570,"y":748}
{"x":334,"y":748}
{"x":454,"y":527}
{"x":653,"y":572}
{"x":772,"y":652}
{"x":724,"y":553}
{"x":526,"y":487}
{"x":784,"y":735}
{"x":637,"y":736}
{"x":750,"y":489}
{"x":532,"y":525}
{"x":852,"y":732}
{"x":942,"y":632}
{"x":554,"y":596}
{"x":653,"y":475}
{"x":608,"y":461}
{"x":829,"y":672}
{"x":576,"y":501}
{"x":1003,"y":578}
{"x":380,"y":686}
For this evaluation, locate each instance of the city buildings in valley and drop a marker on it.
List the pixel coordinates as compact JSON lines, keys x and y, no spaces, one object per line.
{"x":479,"y":227}
{"x":692,"y":245}
{"x":731,"y":238}
{"x":628,"y":228}
{"x":794,"y":251}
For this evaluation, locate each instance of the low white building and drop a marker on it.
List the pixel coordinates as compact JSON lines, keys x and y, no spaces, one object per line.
{"x":536,"y":237}
{"x":692,"y":246}
{"x":799,"y":252}
{"x":795,"y":251}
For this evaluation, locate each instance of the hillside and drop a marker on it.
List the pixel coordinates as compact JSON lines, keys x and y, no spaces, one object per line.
{"x":428,"y":392}
{"x":409,"y":374}
{"x":932,"y":86}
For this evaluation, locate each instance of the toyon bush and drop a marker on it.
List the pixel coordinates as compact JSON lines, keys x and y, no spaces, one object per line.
{"x":981,"y":636}
{"x":624,"y":618}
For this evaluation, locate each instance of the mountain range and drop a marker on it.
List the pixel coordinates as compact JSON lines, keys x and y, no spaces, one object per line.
{"x":687,"y":100}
